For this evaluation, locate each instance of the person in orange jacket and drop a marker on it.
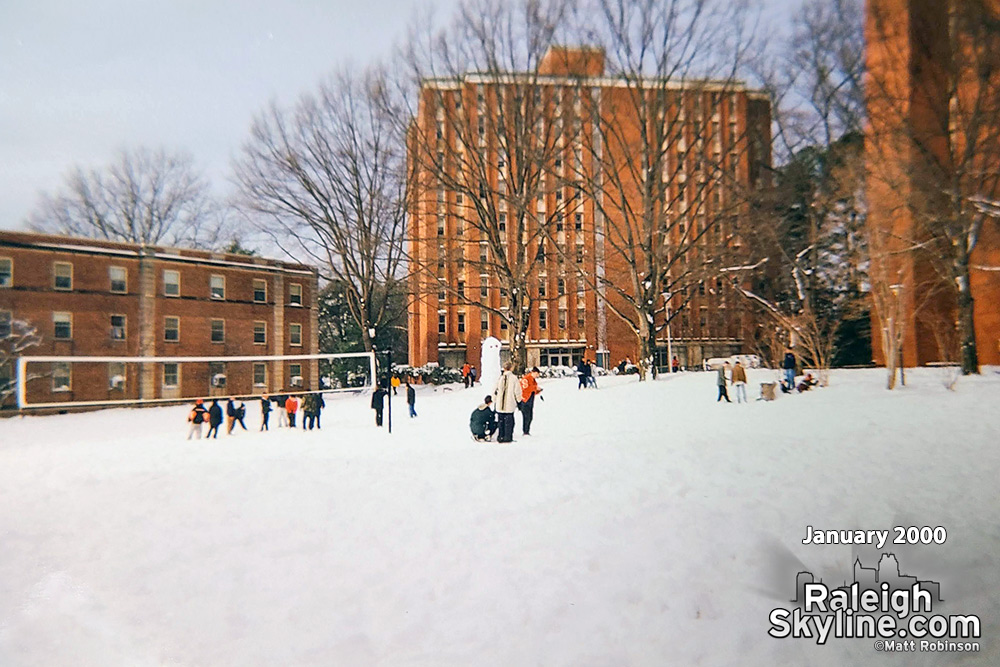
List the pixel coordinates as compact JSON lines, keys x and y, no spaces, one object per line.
{"x":529,"y":388}
{"x":465,"y":374}
{"x":291,"y":407}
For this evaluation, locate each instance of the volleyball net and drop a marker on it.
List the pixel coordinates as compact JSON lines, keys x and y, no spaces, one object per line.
{"x":68,"y":381}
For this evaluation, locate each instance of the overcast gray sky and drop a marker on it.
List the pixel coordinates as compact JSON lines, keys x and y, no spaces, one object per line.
{"x":81,"y":80}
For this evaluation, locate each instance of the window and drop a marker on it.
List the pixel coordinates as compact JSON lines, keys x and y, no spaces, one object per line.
{"x":562,"y":318}
{"x":484,"y":320}
{"x":441,"y":323}
{"x":260,"y":375}
{"x":6,"y":317}
{"x":117,"y":327}
{"x":461,"y":323}
{"x":260,"y":333}
{"x":295,"y":334}
{"x":503,"y":222}
{"x":6,"y":272}
{"x":62,"y":326}
{"x":559,"y":223}
{"x":562,"y":286}
{"x":218,"y":331}
{"x":543,"y":318}
{"x":441,"y":293}
{"x":461,"y":288}
{"x":171,"y":283}
{"x":294,"y":371}
{"x":580,"y":317}
{"x":116,"y":375}
{"x":62,"y":378}
{"x":259,"y":291}
{"x":484,"y":292}
{"x":217,"y":287}
{"x":579,"y":253}
{"x":578,"y":222}
{"x":62,"y":276}
{"x":171,"y":375}
{"x":216,"y":374}
{"x":542,"y":286}
{"x":171,"y":329}
{"x":295,"y":294}
{"x":119,"y":279}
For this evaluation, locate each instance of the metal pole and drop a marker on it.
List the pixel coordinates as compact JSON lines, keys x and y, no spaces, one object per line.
{"x":670,"y":347}
{"x":389,"y":365}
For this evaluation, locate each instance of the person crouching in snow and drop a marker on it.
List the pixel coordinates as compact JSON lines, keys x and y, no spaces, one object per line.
{"x":378,"y":403}
{"x":529,"y":387}
{"x":483,"y":421}
{"x":214,"y":419}
{"x":196,"y":418}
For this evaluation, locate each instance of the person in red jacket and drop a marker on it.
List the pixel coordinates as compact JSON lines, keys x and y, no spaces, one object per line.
{"x":291,"y":407}
{"x":529,"y":387}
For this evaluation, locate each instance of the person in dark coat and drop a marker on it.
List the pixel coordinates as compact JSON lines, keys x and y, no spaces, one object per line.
{"x":279,"y":401}
{"x":789,"y":365}
{"x":582,"y":370}
{"x":318,"y":405}
{"x":378,"y":403}
{"x":721,"y":381}
{"x":265,"y":412}
{"x":214,"y":419}
{"x":411,"y":398}
{"x":308,"y":411}
{"x":241,"y":412}
{"x":230,"y":415}
{"x":472,"y":376}
{"x":483,"y":421}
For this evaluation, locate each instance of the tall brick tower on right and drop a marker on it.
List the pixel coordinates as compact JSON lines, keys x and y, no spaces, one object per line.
{"x":933,"y":181}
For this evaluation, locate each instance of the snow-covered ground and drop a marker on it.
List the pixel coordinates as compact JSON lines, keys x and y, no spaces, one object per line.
{"x":637,"y":525}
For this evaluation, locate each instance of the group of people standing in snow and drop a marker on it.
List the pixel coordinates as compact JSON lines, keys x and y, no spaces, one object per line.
{"x":737,"y":375}
{"x":496,"y":413}
{"x":469,"y":374}
{"x":288,"y":408}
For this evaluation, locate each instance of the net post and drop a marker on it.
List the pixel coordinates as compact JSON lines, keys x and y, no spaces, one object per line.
{"x":22,"y":380}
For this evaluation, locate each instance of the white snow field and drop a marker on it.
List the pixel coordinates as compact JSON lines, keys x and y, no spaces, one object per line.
{"x":639,"y":524}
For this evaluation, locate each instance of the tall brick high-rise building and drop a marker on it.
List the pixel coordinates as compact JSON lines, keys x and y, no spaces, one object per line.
{"x":933,"y":156}
{"x":571,"y":246}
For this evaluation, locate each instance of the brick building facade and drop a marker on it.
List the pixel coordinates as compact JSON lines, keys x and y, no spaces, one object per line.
{"x":930,"y":83}
{"x":568,"y":318}
{"x":97,"y":298}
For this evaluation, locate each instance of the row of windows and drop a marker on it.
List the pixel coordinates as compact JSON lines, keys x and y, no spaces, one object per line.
{"x":484,"y":323}
{"x":62,"y":280}
{"x":62,"y":375}
{"x":62,"y":326}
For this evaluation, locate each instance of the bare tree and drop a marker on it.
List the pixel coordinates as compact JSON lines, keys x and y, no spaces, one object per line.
{"x":145,"y":196}
{"x":936,"y":154}
{"x":325,"y":181}
{"x":16,"y":336}
{"x":482,"y":137}
{"x":668,"y":158}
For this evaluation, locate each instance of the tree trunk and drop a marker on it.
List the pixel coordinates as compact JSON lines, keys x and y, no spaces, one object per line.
{"x":647,"y":347}
{"x":519,"y":316}
{"x":966,"y":320}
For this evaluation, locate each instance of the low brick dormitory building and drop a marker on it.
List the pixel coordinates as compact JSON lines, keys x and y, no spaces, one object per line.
{"x":98,"y":298}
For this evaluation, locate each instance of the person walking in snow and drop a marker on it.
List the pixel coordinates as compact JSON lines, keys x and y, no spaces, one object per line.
{"x":214,"y":419}
{"x":378,"y":403}
{"x":241,"y":412}
{"x":721,"y":381}
{"x":591,"y":374}
{"x":483,"y":421}
{"x":265,"y":412}
{"x":506,"y":396}
{"x":582,"y":370}
{"x":197,"y":418}
{"x":529,"y":388}
{"x":472,"y":376}
{"x":411,"y":398}
{"x":740,"y":382}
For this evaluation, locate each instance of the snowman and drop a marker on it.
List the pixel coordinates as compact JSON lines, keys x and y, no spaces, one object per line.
{"x":489,"y":364}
